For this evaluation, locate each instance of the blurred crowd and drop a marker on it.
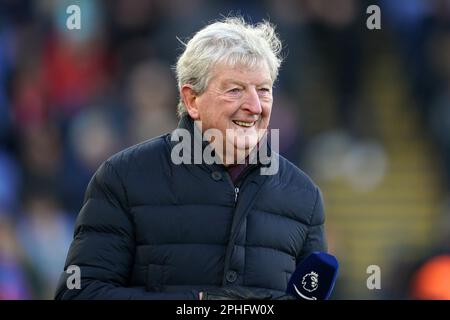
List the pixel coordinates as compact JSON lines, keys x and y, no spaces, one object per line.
{"x":71,"y":98}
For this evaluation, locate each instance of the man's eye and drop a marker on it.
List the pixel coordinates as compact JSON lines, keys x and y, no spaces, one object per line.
{"x":264,"y":90}
{"x":234,"y":90}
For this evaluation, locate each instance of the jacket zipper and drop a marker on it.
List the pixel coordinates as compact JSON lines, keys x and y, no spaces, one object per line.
{"x":237,"y":187}
{"x":241,"y":179}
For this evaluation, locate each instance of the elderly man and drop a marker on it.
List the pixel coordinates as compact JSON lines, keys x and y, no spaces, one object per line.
{"x":160,"y":223}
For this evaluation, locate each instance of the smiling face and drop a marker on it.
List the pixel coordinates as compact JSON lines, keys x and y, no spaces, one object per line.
{"x":238,"y":102}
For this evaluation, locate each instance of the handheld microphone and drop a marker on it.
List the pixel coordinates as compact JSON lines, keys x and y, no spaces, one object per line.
{"x":314,"y":277}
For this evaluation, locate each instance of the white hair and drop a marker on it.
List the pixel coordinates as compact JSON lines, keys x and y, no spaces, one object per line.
{"x":231,"y":41}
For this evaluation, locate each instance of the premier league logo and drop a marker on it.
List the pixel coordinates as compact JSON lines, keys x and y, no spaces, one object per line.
{"x":310,"y":281}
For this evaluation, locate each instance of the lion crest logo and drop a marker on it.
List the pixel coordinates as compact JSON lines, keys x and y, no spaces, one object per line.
{"x":310,"y":281}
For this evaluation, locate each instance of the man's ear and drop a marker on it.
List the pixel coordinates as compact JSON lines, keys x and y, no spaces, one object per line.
{"x":189,"y":97}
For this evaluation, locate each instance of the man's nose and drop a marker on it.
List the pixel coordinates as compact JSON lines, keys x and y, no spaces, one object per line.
{"x":252,"y":103}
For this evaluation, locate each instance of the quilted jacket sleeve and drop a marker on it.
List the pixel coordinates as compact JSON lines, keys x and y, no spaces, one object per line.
{"x":315,"y":240}
{"x":103,"y":246}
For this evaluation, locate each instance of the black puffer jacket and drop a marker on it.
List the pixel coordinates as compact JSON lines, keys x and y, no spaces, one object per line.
{"x":150,"y":229}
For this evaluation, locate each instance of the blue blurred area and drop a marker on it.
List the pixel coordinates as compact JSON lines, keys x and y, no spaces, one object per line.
{"x":365,"y":112}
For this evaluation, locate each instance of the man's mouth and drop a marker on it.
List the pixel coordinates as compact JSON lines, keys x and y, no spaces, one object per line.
{"x":244,"y":124}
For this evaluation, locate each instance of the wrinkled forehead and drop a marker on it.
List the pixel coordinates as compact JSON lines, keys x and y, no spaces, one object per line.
{"x":256,"y":72}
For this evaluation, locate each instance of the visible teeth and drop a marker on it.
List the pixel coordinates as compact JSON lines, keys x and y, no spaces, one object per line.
{"x":244,"y":124}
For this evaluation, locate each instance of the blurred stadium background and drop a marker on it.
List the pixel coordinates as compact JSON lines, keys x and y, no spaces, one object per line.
{"x":365,"y":112}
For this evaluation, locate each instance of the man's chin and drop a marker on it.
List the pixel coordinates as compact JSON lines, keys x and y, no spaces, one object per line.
{"x":239,"y":154}
{"x":244,"y":149}
{"x":245,"y":144}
